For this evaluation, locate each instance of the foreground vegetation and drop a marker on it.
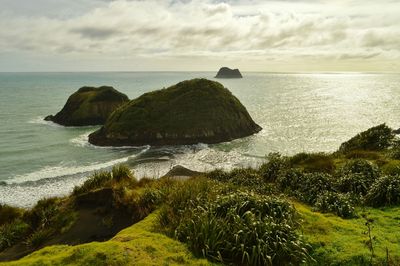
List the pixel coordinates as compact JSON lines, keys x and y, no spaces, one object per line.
{"x":313,"y":209}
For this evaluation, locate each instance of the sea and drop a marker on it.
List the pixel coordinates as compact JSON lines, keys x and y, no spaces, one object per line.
{"x":298,"y":113}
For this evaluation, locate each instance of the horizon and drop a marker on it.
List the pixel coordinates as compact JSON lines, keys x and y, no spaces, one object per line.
{"x":281,"y":36}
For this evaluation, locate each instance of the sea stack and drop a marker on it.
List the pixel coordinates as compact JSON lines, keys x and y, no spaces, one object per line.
{"x":227,"y":73}
{"x":89,"y":106}
{"x":190,"y":112}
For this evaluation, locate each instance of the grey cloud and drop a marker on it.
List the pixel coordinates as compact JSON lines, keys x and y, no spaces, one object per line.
{"x":358,"y":56}
{"x":95,"y":33}
{"x":204,"y":28}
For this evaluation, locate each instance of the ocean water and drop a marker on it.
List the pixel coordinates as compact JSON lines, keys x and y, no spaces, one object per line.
{"x":298,"y":112}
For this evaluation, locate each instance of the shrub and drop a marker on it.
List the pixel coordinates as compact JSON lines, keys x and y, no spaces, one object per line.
{"x":394,"y":151}
{"x":374,"y":139}
{"x":337,"y":203}
{"x":147,"y":202}
{"x":314,"y":184}
{"x":289,"y":180}
{"x":42,"y":213}
{"x":385,"y":191}
{"x":313,"y":162}
{"x":356,"y":176}
{"x":238,"y":176}
{"x":270,"y":170}
{"x":243,"y":228}
{"x":39,"y":237}
{"x":49,"y":214}
{"x":11,"y":233}
{"x":121,"y":172}
{"x":360,"y":166}
{"x":8,"y":214}
{"x":305,"y":186}
{"x":97,"y":180}
{"x":357,"y":184}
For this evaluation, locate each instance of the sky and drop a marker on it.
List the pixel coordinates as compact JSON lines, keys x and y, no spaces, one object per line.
{"x":200,"y":35}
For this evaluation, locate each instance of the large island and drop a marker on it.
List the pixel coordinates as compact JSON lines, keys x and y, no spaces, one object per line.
{"x":190,"y":112}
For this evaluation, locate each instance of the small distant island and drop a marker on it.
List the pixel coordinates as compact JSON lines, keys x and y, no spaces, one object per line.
{"x":227,"y":73}
{"x":190,"y":112}
{"x":89,"y":106}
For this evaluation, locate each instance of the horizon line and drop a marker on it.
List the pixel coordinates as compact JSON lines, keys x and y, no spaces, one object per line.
{"x":203,"y":71}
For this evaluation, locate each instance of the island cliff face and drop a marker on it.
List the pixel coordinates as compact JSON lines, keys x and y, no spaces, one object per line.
{"x":227,"y":73}
{"x":190,"y":112}
{"x":89,"y":106}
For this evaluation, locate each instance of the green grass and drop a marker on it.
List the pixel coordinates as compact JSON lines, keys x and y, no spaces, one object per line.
{"x":139,"y":244}
{"x":338,"y":241}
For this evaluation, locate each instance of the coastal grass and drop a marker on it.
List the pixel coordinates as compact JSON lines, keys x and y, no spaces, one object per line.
{"x":139,"y":244}
{"x":337,"y":241}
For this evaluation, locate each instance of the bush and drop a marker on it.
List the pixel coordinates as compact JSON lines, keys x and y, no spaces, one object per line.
{"x":385,"y":191}
{"x":242,"y":228}
{"x":356,"y":176}
{"x":360,"y":166}
{"x":313,"y":162}
{"x":394,"y":151}
{"x":238,"y":176}
{"x":121,"y":172}
{"x":374,"y":139}
{"x":39,"y":237}
{"x":270,"y":170}
{"x":337,"y":203}
{"x":11,"y":233}
{"x":41,"y":215}
{"x":289,"y":180}
{"x":305,"y":186}
{"x":357,"y":184}
{"x":8,"y":214}
{"x":97,"y":180}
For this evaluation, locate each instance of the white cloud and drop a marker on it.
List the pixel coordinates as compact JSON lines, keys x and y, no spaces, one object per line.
{"x":294,"y":33}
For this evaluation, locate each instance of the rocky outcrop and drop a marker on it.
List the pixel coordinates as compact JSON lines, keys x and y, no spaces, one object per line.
{"x":192,"y":111}
{"x":180,"y":173}
{"x":89,"y":106}
{"x":227,"y":73}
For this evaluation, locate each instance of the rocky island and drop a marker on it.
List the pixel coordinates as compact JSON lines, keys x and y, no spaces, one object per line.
{"x":227,"y":73}
{"x":89,"y":106}
{"x":190,"y":112}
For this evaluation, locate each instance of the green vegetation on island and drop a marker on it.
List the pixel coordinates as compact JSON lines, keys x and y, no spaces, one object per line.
{"x":341,"y":208}
{"x":190,"y":112}
{"x":89,"y":106}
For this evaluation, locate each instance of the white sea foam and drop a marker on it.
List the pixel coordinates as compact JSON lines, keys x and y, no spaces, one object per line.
{"x":40,"y":121}
{"x":64,"y":169}
{"x":83,"y":141}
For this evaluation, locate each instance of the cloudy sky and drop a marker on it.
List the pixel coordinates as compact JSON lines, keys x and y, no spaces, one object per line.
{"x":198,"y":35}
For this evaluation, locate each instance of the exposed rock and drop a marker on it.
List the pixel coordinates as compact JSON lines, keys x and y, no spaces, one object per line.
{"x":396,"y":131}
{"x":227,"y":73}
{"x":89,"y":106}
{"x":180,"y":172}
{"x":190,"y":112}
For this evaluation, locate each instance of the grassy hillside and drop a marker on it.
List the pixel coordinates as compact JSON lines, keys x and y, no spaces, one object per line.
{"x":341,"y":208}
{"x":139,"y":244}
